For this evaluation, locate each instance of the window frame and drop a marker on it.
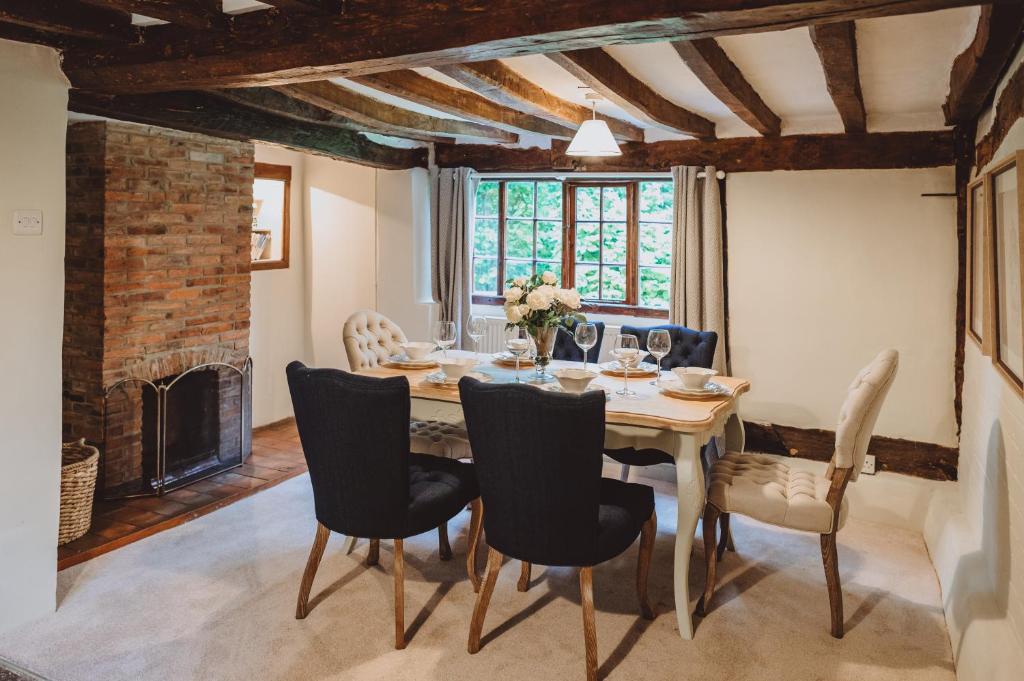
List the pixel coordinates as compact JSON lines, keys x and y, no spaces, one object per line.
{"x":283,"y":173}
{"x":629,"y":307}
{"x":992,"y":301}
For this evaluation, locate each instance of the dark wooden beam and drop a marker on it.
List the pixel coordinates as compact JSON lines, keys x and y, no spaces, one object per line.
{"x":201,"y":15}
{"x":372,"y":36}
{"x":596,"y":69}
{"x":963,"y":146}
{"x":71,"y":18}
{"x":837,"y":48}
{"x":712,"y":66}
{"x":497,"y":82}
{"x":462,"y":103}
{"x":739,"y":154}
{"x":361,"y":108}
{"x":1009,"y":110}
{"x":210,"y":115}
{"x":976,"y":70}
{"x":322,"y":6}
{"x":273,"y":102}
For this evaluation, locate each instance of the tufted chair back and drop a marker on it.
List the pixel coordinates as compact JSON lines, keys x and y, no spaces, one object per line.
{"x":860,"y":411}
{"x":369,"y":338}
{"x":565,"y":347}
{"x":689,"y":348}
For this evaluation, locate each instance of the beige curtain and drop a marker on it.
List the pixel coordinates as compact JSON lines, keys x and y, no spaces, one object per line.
{"x":698,"y":288}
{"x":452,"y":193}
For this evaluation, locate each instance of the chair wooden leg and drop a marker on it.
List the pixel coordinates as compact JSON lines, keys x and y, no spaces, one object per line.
{"x":312,"y":563}
{"x":483,"y":599}
{"x":711,"y":514}
{"x":373,"y":556}
{"x":589,"y":626}
{"x":399,"y":595}
{"x":624,"y":472}
{"x":476,"y":519}
{"x":443,"y":547}
{"x":524,"y":576}
{"x":830,"y":558}
{"x":725,"y":540}
{"x":643,"y":564}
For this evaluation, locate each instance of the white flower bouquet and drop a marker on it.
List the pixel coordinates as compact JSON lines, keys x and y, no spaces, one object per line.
{"x":536,"y":303}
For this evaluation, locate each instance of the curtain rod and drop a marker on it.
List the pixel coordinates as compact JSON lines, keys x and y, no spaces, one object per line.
{"x":654,"y":175}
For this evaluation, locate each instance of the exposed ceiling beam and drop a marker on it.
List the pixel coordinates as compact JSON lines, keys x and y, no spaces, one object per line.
{"x":324,"y":6}
{"x":71,"y":18}
{"x":200,"y":15}
{"x":462,"y":103}
{"x":497,"y":82}
{"x":837,"y":48}
{"x":597,"y":69}
{"x":372,"y":36}
{"x":712,"y":66}
{"x":1008,"y":110}
{"x":736,"y":154}
{"x":271,"y":101}
{"x":210,"y":115}
{"x":357,"y":107}
{"x":976,"y":70}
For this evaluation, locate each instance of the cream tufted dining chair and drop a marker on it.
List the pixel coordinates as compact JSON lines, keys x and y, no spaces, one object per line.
{"x":369,"y":338}
{"x":765,"y":489}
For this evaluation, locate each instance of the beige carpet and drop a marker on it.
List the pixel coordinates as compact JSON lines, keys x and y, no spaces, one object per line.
{"x":215,"y":598}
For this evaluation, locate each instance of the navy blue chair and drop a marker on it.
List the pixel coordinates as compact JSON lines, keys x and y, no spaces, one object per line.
{"x":565,"y":345}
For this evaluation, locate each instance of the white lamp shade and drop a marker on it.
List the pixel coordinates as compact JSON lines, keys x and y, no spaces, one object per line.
{"x":593,"y":139}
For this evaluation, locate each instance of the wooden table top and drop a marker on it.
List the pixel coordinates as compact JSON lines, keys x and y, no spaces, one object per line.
{"x":650,"y":408}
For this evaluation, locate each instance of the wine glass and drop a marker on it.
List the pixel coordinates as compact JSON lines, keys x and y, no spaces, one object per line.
{"x":585,"y":336}
{"x":517,"y":340}
{"x":475,"y":327}
{"x":627,"y":351}
{"x":444,"y":336}
{"x":658,"y":344}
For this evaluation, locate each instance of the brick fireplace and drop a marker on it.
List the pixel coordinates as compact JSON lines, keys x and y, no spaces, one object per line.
{"x":157,"y":283}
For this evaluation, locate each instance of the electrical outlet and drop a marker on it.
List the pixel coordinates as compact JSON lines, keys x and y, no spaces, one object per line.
{"x":869,"y":465}
{"x":28,"y":222}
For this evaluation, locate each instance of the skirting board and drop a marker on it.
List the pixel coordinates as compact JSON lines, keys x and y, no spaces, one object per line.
{"x":919,"y":459}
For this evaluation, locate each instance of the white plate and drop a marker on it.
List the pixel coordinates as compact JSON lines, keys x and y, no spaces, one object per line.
{"x":403,"y":362}
{"x":643,"y":369}
{"x":675,"y":389}
{"x":508,"y":359}
{"x":438,"y":378}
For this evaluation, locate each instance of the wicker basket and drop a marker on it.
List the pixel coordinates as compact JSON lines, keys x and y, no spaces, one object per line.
{"x":79,"y":463}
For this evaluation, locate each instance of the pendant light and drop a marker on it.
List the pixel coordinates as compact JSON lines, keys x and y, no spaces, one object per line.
{"x":593,"y":138}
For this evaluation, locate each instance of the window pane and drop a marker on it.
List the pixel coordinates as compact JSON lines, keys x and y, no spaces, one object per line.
{"x":656,"y":201}
{"x":586,"y":280}
{"x":485,"y":237}
{"x":588,"y":244}
{"x":487,"y":199}
{"x":588,"y":203}
{"x":519,"y":199}
{"x":977,"y":260}
{"x":485,"y":276}
{"x":655,"y":284}
{"x":614,"y":207}
{"x":614,"y":242}
{"x":655,"y":243}
{"x":519,"y":238}
{"x":268,"y":219}
{"x":1006,"y":223}
{"x":613,"y":282}
{"x":549,"y":240}
{"x":517,"y":268}
{"x":552,"y":266}
{"x":549,"y":200}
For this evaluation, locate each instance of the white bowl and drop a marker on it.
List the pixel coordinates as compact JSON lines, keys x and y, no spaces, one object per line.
{"x":574,"y":380}
{"x":417,"y":350}
{"x":457,"y":367}
{"x":694,"y":378}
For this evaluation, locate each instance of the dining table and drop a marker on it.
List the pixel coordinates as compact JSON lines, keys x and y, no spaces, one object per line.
{"x":650,"y":419}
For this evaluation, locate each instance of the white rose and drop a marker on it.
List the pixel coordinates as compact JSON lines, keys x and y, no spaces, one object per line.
{"x":524,"y":310}
{"x":512,"y":314}
{"x":513,"y":294}
{"x":538,"y":299}
{"x":569,"y":297}
{"x":548,"y":277}
{"x":519,"y":281}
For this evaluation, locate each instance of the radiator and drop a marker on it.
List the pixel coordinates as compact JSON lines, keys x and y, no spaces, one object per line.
{"x":494,"y":337}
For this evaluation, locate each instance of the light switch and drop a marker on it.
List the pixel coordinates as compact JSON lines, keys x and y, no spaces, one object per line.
{"x":28,"y":222}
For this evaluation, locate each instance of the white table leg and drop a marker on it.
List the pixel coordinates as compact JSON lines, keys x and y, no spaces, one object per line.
{"x":690,"y":502}
{"x":735,"y":434}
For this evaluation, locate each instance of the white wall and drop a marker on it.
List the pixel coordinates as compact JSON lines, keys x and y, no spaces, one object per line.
{"x":828,"y":267}
{"x":279,"y":330}
{"x":975,"y":533}
{"x":33,"y":121}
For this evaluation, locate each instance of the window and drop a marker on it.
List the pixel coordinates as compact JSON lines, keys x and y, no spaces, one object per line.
{"x":1004,"y":209}
{"x":271,"y":194}
{"x":612,"y":240}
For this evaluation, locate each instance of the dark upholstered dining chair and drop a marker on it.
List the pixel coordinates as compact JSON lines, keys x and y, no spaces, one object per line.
{"x":566,"y":349}
{"x":689,"y":349}
{"x":538,"y":462}
{"x":355,"y":437}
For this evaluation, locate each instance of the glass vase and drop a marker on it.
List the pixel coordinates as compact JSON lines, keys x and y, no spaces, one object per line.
{"x":544,"y":339}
